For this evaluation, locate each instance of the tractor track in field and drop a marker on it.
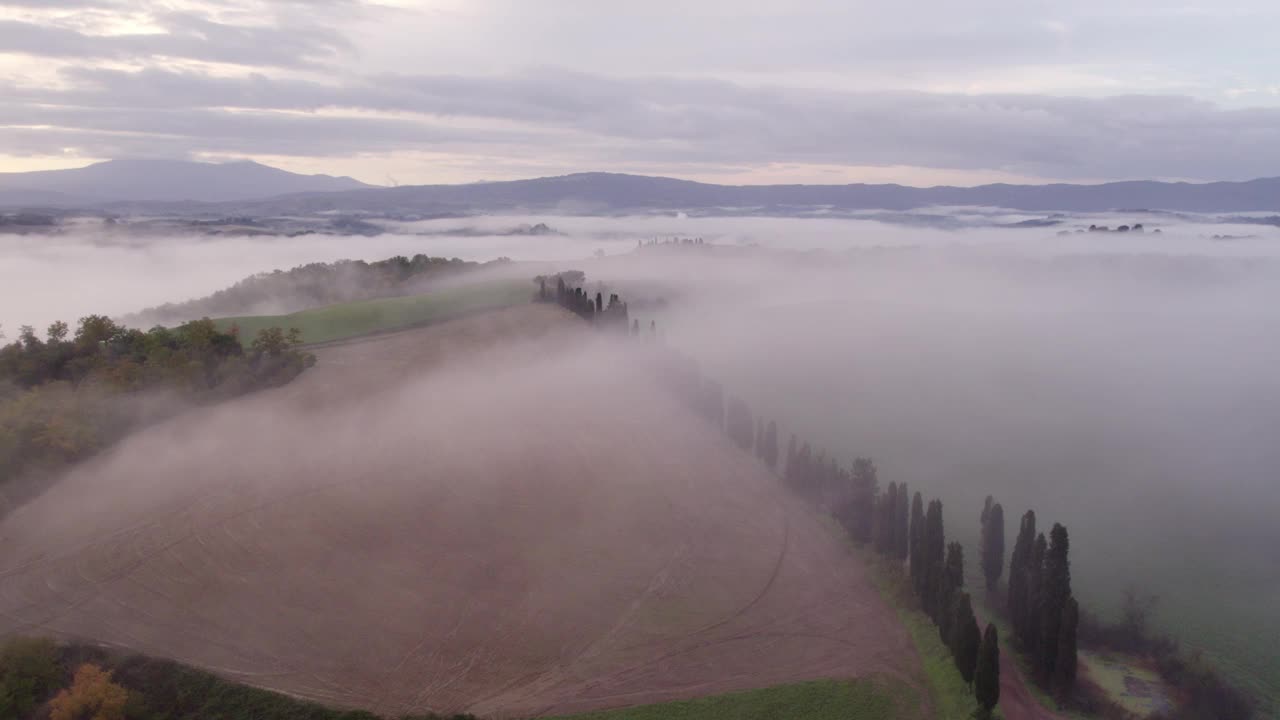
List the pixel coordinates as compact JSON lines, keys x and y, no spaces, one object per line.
{"x":369,"y":536}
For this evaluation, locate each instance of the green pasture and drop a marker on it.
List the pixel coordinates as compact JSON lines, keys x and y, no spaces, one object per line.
{"x":347,"y":320}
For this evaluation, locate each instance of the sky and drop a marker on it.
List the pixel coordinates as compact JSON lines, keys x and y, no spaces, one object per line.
{"x":754,"y":91}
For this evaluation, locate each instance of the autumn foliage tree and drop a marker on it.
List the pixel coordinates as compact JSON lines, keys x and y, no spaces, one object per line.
{"x":92,"y":696}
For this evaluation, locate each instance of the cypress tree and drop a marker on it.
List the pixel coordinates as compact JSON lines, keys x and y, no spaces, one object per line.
{"x":1055,"y":592}
{"x":789,"y":472}
{"x":804,"y":470}
{"x":917,"y":543}
{"x":947,"y":623}
{"x":864,"y":496}
{"x":771,"y":445}
{"x":1035,"y":602}
{"x":965,"y":637}
{"x":901,"y":530}
{"x":882,"y":504}
{"x":953,"y":574}
{"x":992,"y":544}
{"x":934,"y":549}
{"x":1019,"y":568}
{"x":986,"y":676}
{"x":1064,"y":669}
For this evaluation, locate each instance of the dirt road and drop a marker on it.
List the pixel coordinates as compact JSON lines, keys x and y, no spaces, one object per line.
{"x":1016,"y":700}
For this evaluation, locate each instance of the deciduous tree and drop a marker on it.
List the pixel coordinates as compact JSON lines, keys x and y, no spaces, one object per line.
{"x":92,"y":696}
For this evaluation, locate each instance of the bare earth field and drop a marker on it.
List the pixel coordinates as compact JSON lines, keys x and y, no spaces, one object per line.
{"x":501,"y":514}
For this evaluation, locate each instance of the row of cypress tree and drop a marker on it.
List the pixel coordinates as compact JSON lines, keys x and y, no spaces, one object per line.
{"x":907,"y":530}
{"x":579,"y":301}
{"x":1044,"y":614}
{"x":936,"y":569}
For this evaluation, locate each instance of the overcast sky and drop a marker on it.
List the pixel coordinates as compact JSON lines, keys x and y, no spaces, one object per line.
{"x":918,"y":91}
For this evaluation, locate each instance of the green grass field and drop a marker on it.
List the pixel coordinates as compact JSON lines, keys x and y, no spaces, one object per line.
{"x":347,"y":320}
{"x":863,"y":699}
{"x":1135,"y":688}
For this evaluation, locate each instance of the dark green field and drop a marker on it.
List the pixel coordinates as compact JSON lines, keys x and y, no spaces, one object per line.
{"x":346,"y":320}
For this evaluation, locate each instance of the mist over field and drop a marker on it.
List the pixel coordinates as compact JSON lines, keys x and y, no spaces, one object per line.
{"x":89,"y":270}
{"x":1122,"y":384}
{"x":63,"y":277}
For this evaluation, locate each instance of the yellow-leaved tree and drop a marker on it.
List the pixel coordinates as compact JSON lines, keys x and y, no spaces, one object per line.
{"x":92,"y":696}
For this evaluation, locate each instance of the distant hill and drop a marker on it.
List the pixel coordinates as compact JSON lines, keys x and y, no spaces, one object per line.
{"x":610,"y":193}
{"x":251,"y":189}
{"x":161,"y":181}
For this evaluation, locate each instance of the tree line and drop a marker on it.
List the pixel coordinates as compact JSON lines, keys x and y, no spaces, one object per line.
{"x":898,"y":528}
{"x":312,"y":285}
{"x":68,"y":395}
{"x":1046,"y":619}
{"x":1044,"y":614}
{"x":565,"y":290}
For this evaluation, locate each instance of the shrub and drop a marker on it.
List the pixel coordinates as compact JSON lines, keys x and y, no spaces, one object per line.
{"x":28,"y":673}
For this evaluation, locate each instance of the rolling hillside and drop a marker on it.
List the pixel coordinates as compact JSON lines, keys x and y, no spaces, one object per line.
{"x":501,"y":514}
{"x":345,"y":320}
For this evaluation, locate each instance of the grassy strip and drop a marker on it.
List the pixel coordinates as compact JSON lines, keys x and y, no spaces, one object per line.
{"x":952,"y":698}
{"x":861,"y":699}
{"x":346,"y":320}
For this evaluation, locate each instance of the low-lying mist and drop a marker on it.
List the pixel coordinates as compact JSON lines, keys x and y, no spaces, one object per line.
{"x":1131,"y":396}
{"x":1122,"y":384}
{"x":64,"y":277}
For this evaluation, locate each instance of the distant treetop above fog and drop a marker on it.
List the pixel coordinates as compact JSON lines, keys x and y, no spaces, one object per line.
{"x":311,"y":285}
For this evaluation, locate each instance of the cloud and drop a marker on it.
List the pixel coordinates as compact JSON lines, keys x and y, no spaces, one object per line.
{"x":1000,"y":87}
{"x":613,"y":121}
{"x":182,"y":35}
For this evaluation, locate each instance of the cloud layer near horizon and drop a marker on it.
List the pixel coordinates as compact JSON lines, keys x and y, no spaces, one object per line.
{"x":758,"y":90}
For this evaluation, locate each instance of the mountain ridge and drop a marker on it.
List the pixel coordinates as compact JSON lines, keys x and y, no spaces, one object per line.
{"x":588,"y":193}
{"x":158,"y":180}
